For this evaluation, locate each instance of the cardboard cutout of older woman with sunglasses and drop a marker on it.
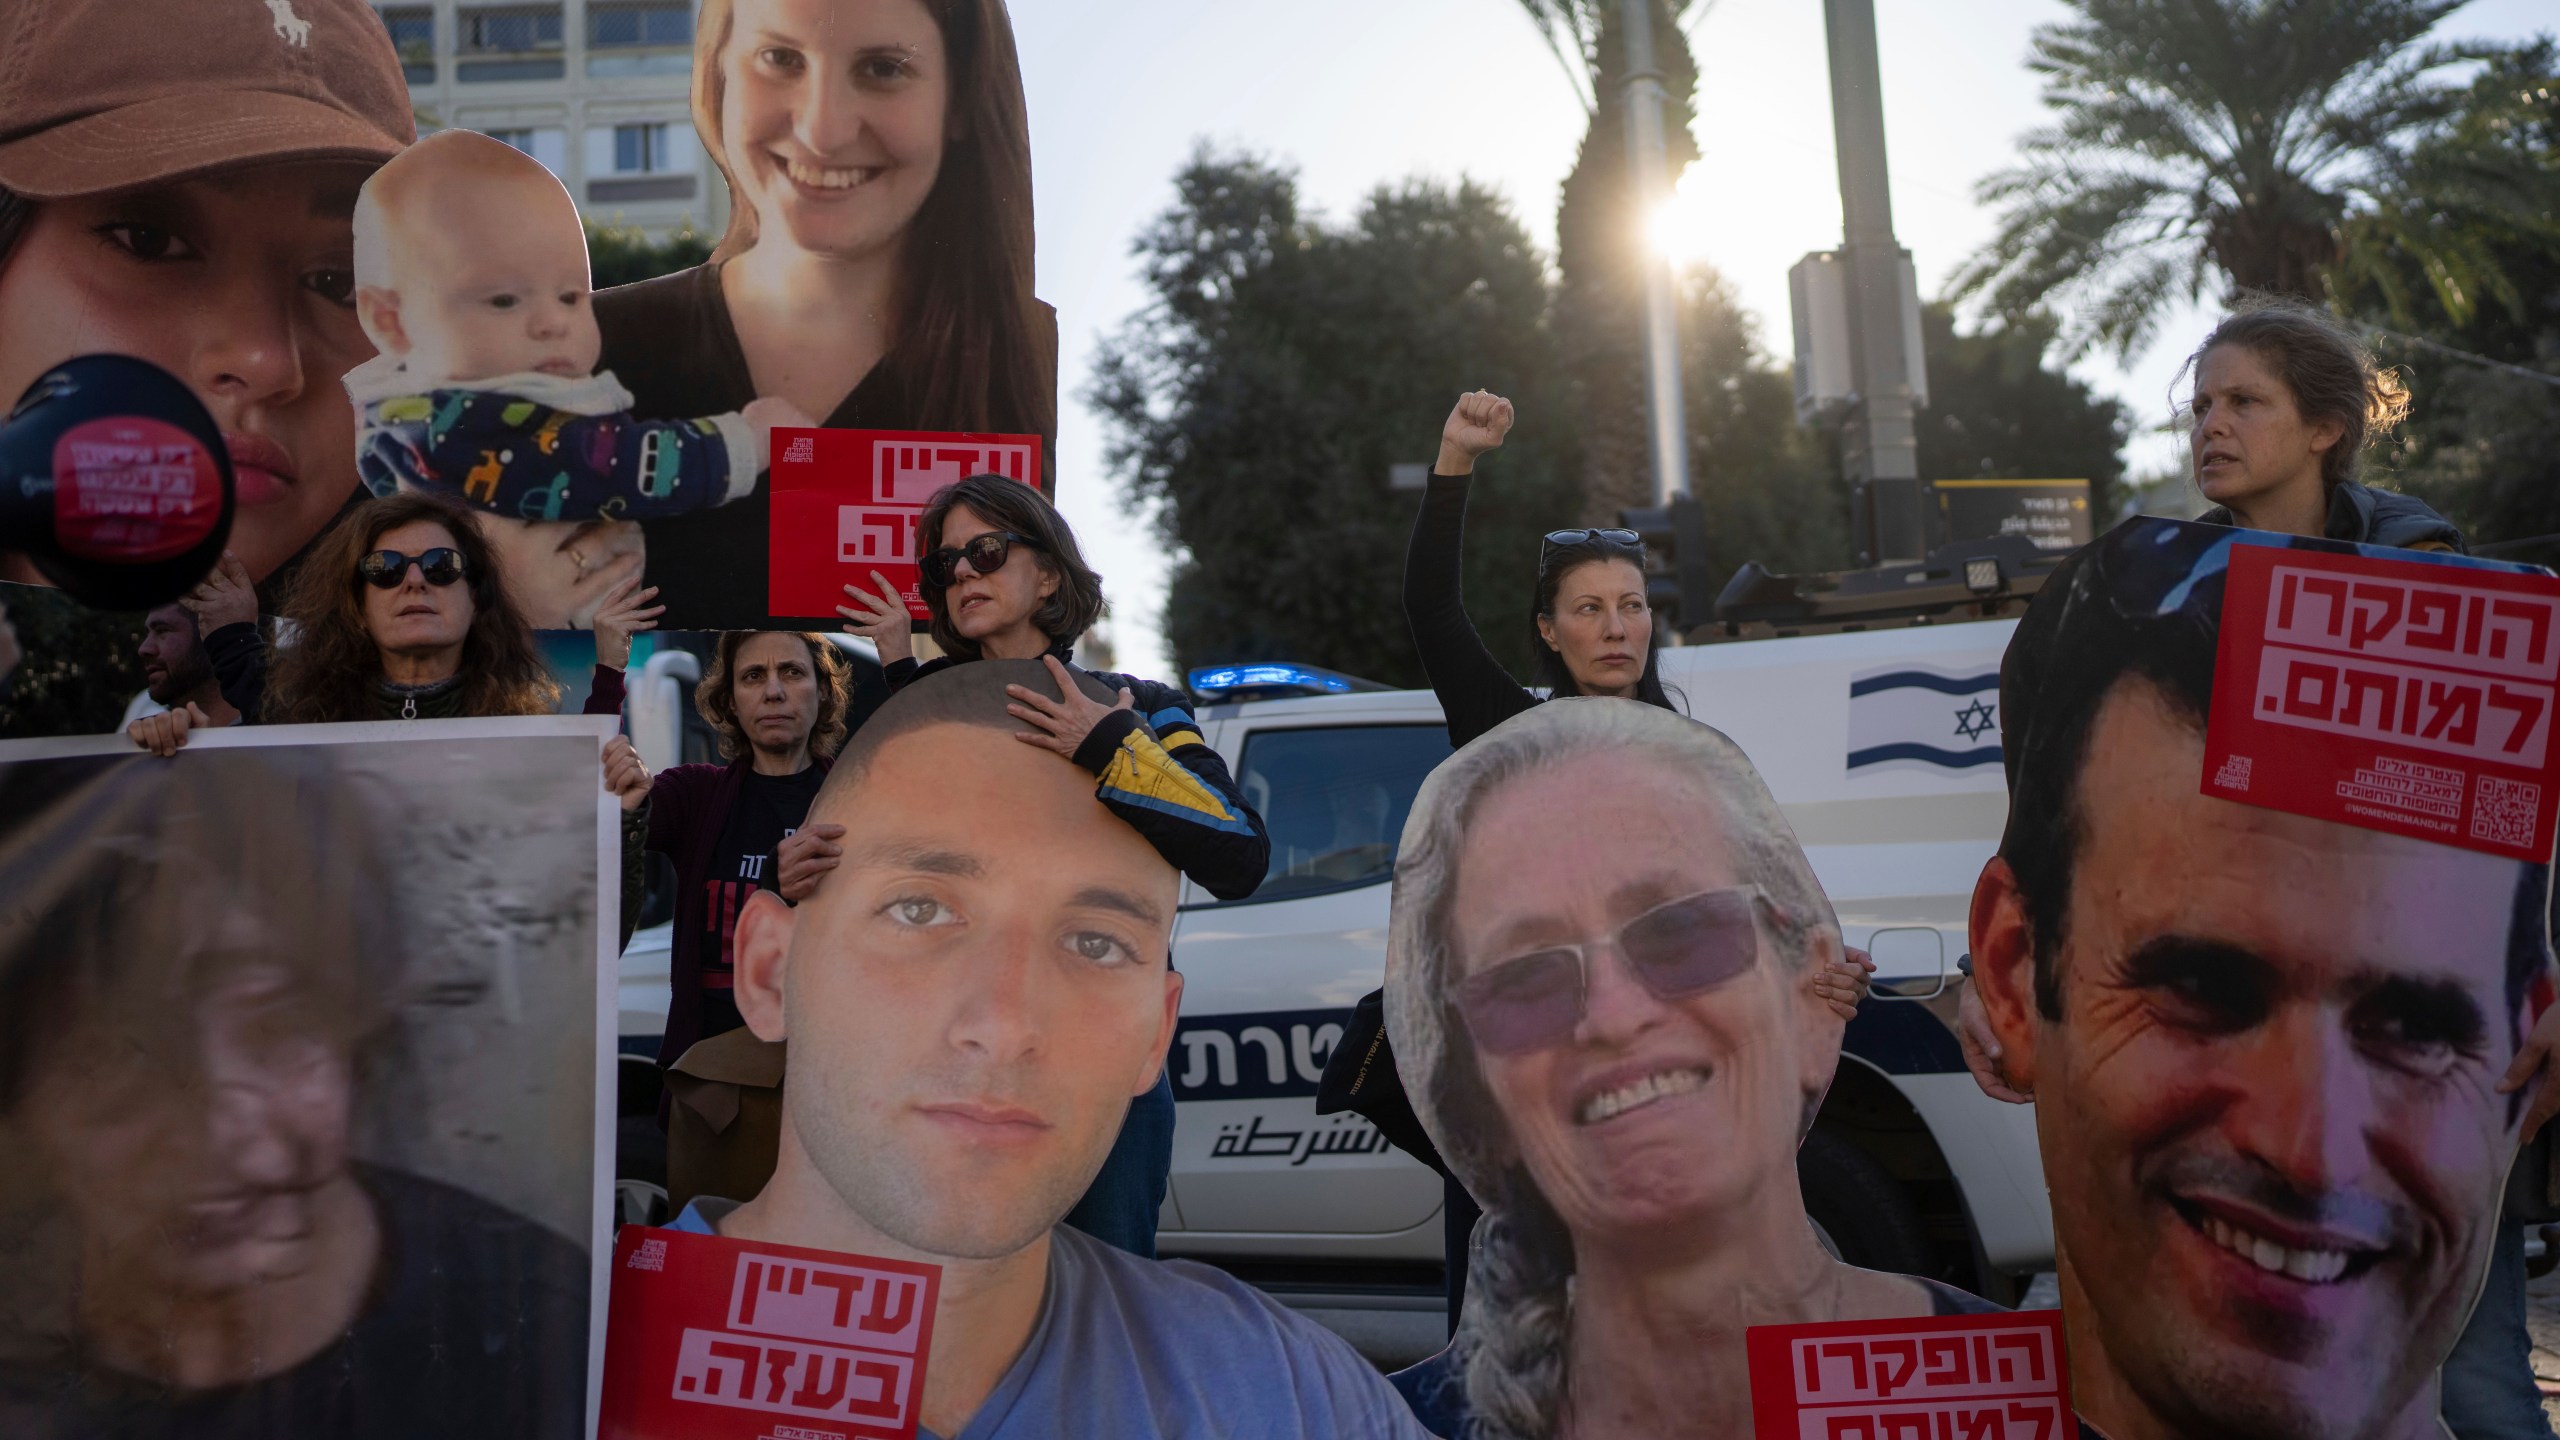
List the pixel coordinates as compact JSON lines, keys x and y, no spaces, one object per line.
{"x":1596,"y":991}
{"x":1591,"y":631}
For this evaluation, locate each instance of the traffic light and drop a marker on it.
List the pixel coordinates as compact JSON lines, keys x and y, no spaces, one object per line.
{"x":1675,"y":560}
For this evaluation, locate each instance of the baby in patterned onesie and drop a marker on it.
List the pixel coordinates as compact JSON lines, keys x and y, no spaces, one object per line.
{"x":471,"y":279}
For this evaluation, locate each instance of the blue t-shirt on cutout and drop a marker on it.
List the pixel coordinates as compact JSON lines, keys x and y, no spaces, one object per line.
{"x":1130,"y":1347}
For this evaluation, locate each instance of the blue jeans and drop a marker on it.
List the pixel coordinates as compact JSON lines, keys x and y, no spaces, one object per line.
{"x":1120,"y":1207}
{"x":2489,"y":1392}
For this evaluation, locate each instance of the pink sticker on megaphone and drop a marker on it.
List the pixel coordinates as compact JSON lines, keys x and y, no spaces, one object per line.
{"x":133,"y":489}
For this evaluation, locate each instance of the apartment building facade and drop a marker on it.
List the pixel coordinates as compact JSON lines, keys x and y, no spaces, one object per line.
{"x":597,"y":90}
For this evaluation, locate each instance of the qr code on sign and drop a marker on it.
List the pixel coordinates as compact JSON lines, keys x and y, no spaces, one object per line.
{"x":2503,"y":811}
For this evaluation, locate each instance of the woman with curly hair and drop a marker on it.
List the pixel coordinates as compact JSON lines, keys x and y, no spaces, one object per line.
{"x":401,"y":613}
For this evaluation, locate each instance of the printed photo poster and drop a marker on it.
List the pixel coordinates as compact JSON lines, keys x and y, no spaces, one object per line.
{"x":1599,"y":969}
{"x":302,"y":1081}
{"x":2262,"y":1009}
{"x":640,"y":431}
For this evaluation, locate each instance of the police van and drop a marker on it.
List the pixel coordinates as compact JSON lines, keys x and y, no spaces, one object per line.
{"x":1880,"y":745}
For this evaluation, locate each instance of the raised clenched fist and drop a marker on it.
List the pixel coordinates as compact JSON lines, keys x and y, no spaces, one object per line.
{"x":1476,"y":424}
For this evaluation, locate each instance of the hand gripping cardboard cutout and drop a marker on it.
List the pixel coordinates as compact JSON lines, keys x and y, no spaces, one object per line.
{"x":2263,"y":1046}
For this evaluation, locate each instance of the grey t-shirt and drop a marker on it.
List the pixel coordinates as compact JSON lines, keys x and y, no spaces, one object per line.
{"x":1131,"y":1347}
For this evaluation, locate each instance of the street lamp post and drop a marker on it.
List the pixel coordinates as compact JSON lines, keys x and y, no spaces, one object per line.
{"x":1666,"y":426}
{"x":1878,"y":446}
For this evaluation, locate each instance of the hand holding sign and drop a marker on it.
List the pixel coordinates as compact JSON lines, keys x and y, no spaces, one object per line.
{"x":625,"y":612}
{"x":880,"y":617}
{"x":1841,"y":984}
{"x":225,"y":597}
{"x":2541,"y":1049}
{"x":165,"y":734}
{"x":626,"y":776}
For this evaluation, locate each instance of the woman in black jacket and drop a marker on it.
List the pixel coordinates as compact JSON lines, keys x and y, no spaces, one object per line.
{"x":1594,"y":633}
{"x":1004,"y":579}
{"x":1592,"y":625}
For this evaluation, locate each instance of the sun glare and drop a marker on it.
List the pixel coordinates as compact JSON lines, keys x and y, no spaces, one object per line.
{"x":1683,"y":225}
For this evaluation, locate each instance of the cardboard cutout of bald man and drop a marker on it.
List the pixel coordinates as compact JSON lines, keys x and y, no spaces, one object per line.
{"x":972,"y":997}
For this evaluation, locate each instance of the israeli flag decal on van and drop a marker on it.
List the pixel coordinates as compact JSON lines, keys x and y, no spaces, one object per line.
{"x":1912,"y":717}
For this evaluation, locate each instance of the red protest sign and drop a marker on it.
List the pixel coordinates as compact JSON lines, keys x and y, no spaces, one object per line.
{"x":2395,"y":695}
{"x":717,"y":1339}
{"x":845,"y":503}
{"x":1941,"y":1377}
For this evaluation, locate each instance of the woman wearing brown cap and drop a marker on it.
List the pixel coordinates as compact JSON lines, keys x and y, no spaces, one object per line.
{"x":177,"y":183}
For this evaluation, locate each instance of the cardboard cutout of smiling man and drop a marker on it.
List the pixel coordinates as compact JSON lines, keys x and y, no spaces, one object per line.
{"x":2264,"y":1047}
{"x":1595,"y":989}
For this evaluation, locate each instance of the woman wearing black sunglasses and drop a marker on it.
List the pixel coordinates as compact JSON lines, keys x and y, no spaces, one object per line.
{"x":400,"y":613}
{"x":1004,"y":579}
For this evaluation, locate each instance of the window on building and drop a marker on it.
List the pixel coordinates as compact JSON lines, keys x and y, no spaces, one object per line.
{"x":637,"y":26}
{"x":413,"y":35}
{"x":548,"y":146}
{"x":639,"y":149}
{"x":628,"y":38}
{"x":523,"y":40}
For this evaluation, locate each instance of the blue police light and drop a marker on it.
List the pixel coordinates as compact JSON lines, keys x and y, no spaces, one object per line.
{"x":1239,"y":682}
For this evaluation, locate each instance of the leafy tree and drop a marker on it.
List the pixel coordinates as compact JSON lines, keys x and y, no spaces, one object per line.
{"x":81,"y":666}
{"x":2483,"y":365}
{"x":1285,"y":364}
{"x":622,"y":254}
{"x":1998,"y":411}
{"x":2202,"y":139}
{"x":1769,"y":489}
{"x":2475,"y":198}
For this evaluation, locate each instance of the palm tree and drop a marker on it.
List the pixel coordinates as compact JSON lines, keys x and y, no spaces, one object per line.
{"x":1572,"y":28}
{"x":2204,"y":140}
{"x":2469,"y":210}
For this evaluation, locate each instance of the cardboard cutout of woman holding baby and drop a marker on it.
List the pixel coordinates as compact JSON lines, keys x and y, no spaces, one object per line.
{"x":876,"y":274}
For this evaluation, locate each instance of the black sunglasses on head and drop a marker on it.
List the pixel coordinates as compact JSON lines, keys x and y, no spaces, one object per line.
{"x":986,"y":555}
{"x":1614,"y":536}
{"x":385,"y":569}
{"x":1556,"y":540}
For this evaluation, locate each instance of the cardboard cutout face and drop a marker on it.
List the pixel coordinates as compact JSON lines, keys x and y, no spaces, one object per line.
{"x":1597,"y":992}
{"x":874,"y":278}
{"x":235,"y":283}
{"x":2263,"y":1046}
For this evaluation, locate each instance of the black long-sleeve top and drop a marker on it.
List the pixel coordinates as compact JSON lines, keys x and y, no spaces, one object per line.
{"x":1476,"y":693}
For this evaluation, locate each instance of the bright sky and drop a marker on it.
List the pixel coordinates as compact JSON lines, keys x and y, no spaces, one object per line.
{"x":1356,"y":93}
